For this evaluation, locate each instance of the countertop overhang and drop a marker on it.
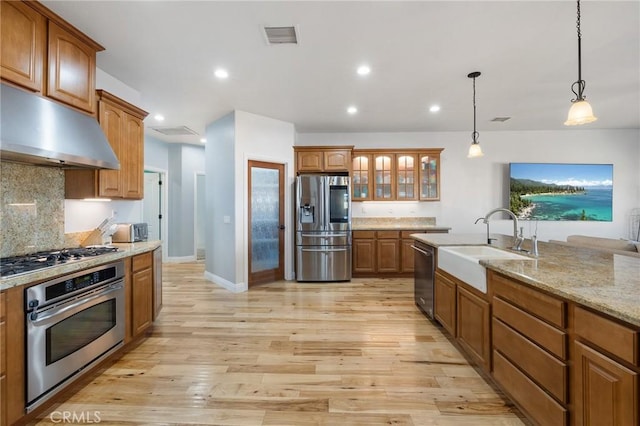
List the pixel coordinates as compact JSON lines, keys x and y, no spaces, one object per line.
{"x":124,"y":250}
{"x":606,"y":282}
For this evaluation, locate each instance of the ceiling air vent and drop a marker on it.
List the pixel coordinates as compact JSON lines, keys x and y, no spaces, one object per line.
{"x":174,"y":131}
{"x":281,"y":35}
{"x":501,"y":119}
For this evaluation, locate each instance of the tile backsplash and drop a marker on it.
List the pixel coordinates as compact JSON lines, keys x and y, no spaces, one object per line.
{"x":31,"y":208}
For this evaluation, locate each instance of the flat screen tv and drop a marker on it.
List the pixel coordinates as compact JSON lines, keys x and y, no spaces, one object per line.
{"x":553,"y":191}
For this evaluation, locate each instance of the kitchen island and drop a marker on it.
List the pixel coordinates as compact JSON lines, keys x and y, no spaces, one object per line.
{"x":559,"y":333}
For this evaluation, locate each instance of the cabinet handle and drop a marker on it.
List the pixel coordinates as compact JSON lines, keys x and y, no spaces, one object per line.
{"x":426,"y":253}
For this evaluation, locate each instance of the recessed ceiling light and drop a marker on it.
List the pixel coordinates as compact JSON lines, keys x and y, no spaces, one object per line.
{"x":352,"y":110}
{"x":364,"y":70}
{"x":203,"y":140}
{"x":434,"y":108}
{"x":159,"y":117}
{"x":221,"y":73}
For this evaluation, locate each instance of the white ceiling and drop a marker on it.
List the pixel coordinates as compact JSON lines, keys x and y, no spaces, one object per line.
{"x":420,"y":53}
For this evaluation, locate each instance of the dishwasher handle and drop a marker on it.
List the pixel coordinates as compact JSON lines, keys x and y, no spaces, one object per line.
{"x":426,"y":253}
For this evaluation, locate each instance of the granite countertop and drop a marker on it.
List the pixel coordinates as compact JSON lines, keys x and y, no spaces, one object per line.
{"x":396,"y":223}
{"x":606,"y":282}
{"x":124,"y":250}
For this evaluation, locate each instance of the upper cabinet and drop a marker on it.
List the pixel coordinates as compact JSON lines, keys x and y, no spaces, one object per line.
{"x":72,"y":69}
{"x":396,"y":175}
{"x":41,"y":52}
{"x":122,"y":124}
{"x":316,"y":159}
{"x":23,"y":45}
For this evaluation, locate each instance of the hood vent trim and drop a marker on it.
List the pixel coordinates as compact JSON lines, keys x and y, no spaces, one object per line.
{"x":36,"y":130}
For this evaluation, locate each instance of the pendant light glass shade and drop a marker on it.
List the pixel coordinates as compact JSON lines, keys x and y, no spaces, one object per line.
{"x":580,"y":113}
{"x":475,"y":150}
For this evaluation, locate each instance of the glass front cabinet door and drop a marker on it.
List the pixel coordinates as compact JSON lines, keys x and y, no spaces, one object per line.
{"x":361,"y":177}
{"x":383,"y":175}
{"x":430,"y":177}
{"x":406,"y":177}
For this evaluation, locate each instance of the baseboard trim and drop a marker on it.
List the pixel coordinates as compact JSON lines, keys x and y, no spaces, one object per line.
{"x":180,"y":259}
{"x":226,"y":284}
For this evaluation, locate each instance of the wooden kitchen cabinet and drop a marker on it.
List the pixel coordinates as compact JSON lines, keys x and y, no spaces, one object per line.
{"x":473,"y":325}
{"x":445,"y":302}
{"x":383,"y":252}
{"x":606,"y":379}
{"x":13,"y":399}
{"x":71,"y":69}
{"x":141,"y":293}
{"x":22,"y":45}
{"x":312,"y":159}
{"x":43,"y":53}
{"x":122,"y":124}
{"x":364,"y":252}
{"x":388,"y":251}
{"x":396,"y":174}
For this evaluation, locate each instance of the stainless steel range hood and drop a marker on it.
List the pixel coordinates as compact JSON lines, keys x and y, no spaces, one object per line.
{"x":36,"y":130}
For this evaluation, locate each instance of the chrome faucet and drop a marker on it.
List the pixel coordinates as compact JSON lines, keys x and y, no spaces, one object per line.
{"x":517,"y":239}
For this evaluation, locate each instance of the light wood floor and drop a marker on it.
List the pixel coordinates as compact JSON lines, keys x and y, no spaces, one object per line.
{"x":357,"y":353}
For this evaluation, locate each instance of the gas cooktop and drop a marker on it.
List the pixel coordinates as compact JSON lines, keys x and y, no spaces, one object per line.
{"x":11,"y":266}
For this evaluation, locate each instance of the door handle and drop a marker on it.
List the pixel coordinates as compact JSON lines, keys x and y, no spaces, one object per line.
{"x":281,"y":227}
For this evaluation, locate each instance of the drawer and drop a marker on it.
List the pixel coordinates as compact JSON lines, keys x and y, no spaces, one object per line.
{"x":142,"y":261}
{"x":532,"y":399}
{"x":615,"y":338}
{"x":388,"y":234}
{"x":364,"y":234}
{"x":545,"y":335}
{"x":547,"y":371}
{"x":533,"y":301}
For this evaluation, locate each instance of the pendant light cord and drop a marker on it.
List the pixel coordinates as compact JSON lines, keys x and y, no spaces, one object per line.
{"x":580,"y":83}
{"x":475,"y":134}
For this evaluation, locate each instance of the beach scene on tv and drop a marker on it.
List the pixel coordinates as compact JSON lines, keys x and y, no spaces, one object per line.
{"x":540,"y":191}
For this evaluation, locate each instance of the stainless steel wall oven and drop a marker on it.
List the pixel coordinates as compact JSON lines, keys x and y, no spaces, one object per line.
{"x":72,"y":322}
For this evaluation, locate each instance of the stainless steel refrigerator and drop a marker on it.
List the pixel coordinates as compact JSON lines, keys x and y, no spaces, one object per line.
{"x":323,"y":228}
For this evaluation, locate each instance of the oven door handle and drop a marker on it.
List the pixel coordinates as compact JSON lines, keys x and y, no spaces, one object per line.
{"x":36,"y":319}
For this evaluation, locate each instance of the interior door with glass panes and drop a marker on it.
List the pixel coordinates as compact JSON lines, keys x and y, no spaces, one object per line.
{"x":266,"y":222}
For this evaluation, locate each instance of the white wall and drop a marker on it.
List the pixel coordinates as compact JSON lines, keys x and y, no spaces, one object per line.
{"x":231,"y":142}
{"x":472,"y":187}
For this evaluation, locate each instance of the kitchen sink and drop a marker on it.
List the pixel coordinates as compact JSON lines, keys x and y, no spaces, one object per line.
{"x":463,"y":262}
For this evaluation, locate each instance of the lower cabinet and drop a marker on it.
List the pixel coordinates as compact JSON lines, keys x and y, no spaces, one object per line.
{"x":606,"y":392}
{"x":444,"y":302}
{"x":383,"y":252}
{"x":141,"y":293}
{"x":473,"y":326}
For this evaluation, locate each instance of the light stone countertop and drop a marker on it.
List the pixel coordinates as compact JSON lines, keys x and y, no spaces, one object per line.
{"x":396,"y":223}
{"x":606,"y":282}
{"x":124,"y":250}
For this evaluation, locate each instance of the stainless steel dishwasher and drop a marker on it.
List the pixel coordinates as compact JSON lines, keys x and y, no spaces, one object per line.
{"x":424,"y":265}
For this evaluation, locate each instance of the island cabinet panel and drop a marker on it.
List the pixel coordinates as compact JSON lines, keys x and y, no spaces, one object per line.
{"x":473,"y":326}
{"x":541,"y":305}
{"x":22,"y":45}
{"x":444,"y":308}
{"x":535,"y":402}
{"x":547,"y":371}
{"x":605,"y":392}
{"x":13,"y":395}
{"x":619,"y":340}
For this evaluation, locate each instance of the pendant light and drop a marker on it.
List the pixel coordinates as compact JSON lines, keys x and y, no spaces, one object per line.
{"x":474,"y":150}
{"x":580,"y":111}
